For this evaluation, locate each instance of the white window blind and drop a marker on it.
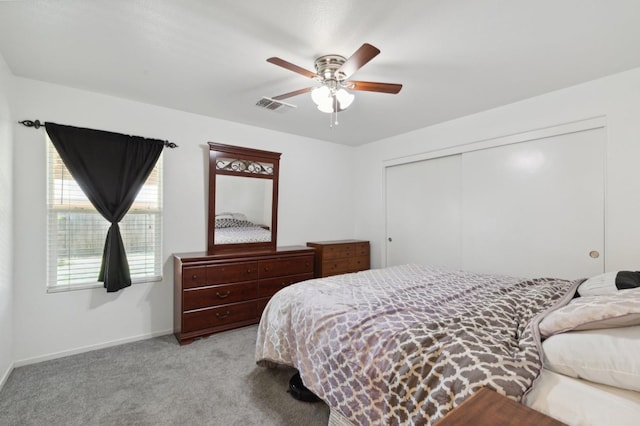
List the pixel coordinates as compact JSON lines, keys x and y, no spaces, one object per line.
{"x":77,"y":232}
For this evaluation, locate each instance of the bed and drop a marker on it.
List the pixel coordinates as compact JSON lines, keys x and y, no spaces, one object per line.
{"x":407,"y":344}
{"x":234,"y":228}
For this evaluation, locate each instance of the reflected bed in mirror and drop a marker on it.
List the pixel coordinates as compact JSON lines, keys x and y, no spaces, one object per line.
{"x":243,"y":210}
{"x":243,"y":197}
{"x":231,"y":230}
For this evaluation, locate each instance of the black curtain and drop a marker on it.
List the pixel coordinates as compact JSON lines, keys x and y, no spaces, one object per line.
{"x":111,"y":169}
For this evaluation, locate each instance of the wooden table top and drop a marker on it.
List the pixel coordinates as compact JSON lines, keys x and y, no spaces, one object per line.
{"x":488,"y":408}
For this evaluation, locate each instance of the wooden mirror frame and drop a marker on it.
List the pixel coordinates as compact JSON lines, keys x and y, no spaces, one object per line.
{"x":218,"y":150}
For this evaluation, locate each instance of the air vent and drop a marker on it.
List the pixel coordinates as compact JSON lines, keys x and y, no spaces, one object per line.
{"x":274,"y":105}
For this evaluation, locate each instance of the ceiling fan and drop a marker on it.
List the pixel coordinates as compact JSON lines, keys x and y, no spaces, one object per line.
{"x":333,"y":72}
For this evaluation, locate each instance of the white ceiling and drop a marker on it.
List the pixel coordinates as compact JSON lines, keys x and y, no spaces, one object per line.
{"x":454,"y":57}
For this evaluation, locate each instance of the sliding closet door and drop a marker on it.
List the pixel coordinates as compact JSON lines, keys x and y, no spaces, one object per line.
{"x":536,"y":208}
{"x":423,"y":212}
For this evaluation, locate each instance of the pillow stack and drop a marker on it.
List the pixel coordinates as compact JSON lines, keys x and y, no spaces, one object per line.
{"x":596,"y":336}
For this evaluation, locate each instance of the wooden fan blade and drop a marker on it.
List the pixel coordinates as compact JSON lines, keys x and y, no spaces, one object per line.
{"x":292,"y":67}
{"x":364,"y":54}
{"x":369,"y":86}
{"x":291,"y":94}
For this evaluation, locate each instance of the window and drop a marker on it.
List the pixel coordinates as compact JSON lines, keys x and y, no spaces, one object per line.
{"x":77,"y":232}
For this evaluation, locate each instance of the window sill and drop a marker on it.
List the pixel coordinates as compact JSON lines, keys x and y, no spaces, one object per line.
{"x":89,"y":286}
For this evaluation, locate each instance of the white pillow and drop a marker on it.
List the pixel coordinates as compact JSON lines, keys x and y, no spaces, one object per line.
{"x":239,"y":216}
{"x":224,"y":216}
{"x":599,"y":285}
{"x":621,"y":309}
{"x":607,"y":356}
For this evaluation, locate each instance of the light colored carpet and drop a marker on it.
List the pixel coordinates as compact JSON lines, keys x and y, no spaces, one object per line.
{"x":213,"y":381}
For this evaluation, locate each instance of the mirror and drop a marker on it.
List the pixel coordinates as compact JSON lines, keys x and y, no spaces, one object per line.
{"x":243,"y":188}
{"x":243,"y":210}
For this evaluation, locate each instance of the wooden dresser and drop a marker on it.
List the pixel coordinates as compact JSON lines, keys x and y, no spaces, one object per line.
{"x":340,"y":257}
{"x":214,"y":293}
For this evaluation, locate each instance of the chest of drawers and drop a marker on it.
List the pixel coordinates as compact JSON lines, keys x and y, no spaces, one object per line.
{"x":217,"y":293}
{"x":340,"y":257}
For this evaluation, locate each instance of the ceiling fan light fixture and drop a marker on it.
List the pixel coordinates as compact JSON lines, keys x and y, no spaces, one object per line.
{"x":345,"y":98}
{"x":321,"y":95}
{"x":328,"y":108}
{"x":325,"y":98}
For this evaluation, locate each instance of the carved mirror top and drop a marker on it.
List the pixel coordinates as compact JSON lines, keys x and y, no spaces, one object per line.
{"x":239,"y":165}
{"x":243,"y":199}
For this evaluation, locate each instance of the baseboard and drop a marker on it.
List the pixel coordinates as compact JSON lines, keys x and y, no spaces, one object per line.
{"x":6,"y":375}
{"x":89,"y":348}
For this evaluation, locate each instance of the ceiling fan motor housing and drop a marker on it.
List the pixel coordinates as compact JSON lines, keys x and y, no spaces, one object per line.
{"x":327,"y":67}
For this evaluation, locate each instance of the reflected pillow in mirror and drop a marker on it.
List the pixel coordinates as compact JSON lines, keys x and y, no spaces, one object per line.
{"x":224,"y":216}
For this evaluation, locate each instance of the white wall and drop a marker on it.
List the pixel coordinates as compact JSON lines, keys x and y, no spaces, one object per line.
{"x":6,"y":225}
{"x":313,"y":205}
{"x":616,"y":97}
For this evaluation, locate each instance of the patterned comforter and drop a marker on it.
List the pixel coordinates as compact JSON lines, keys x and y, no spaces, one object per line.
{"x":406,"y":344}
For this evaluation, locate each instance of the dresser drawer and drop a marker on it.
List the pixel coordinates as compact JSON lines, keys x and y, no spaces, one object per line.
{"x":268,"y":287}
{"x":218,"y":316}
{"x":287,"y":266}
{"x":361,"y":249}
{"x":359,"y":263}
{"x":339,"y":251}
{"x":336,"y":252}
{"x":336,"y":266}
{"x":219,"y":295}
{"x":232,"y":272}
{"x":194,"y":277}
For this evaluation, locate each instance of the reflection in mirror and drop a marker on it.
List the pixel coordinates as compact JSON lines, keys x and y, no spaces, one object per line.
{"x":243,"y":210}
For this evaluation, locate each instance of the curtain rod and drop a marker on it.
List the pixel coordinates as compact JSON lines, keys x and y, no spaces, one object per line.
{"x":37,"y":124}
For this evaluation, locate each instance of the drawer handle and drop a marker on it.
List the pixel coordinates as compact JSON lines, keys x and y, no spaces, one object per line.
{"x":266,"y":269}
{"x":222,"y":316}
{"x":194,"y":277}
{"x":222,"y":296}
{"x":248,"y":271}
